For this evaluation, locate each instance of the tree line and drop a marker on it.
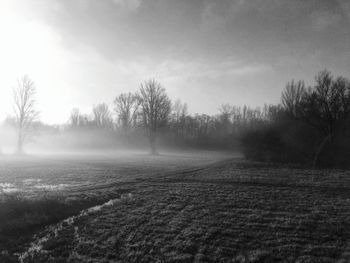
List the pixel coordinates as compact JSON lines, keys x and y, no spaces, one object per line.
{"x":309,"y":126}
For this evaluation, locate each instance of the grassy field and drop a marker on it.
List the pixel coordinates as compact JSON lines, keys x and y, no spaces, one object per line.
{"x":193,"y":207}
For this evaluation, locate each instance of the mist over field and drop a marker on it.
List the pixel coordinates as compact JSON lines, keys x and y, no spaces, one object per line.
{"x":174,"y":131}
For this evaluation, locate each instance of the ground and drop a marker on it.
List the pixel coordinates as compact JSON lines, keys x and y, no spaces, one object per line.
{"x":183,"y":207}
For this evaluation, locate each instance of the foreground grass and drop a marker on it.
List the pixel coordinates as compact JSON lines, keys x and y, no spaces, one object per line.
{"x":21,"y":217}
{"x":230,"y":212}
{"x":39,"y":191}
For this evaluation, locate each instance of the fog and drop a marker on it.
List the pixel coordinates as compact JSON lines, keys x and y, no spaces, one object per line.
{"x":8,"y":139}
{"x":50,"y":140}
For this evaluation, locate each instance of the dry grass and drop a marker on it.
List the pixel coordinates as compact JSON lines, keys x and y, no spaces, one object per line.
{"x":232,"y":211}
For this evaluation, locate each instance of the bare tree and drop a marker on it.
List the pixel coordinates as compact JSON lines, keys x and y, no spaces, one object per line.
{"x":102,"y":116}
{"x":75,"y":118}
{"x":156,"y":108}
{"x":325,"y":107}
{"x":226,"y":113}
{"x":24,"y":108}
{"x":180,"y":110}
{"x":292,"y":97}
{"x":126,"y":106}
{"x":178,"y":119}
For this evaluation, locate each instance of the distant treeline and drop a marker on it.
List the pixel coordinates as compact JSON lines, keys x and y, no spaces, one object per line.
{"x":109,"y":128}
{"x":310,"y":125}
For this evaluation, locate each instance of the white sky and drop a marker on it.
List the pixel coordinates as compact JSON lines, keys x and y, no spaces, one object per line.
{"x":84,"y":52}
{"x":28,"y":47}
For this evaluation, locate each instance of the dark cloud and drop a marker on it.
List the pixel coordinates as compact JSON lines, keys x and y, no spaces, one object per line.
{"x":158,"y":28}
{"x":243,"y":47}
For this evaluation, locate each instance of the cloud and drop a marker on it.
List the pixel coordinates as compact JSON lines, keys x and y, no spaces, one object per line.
{"x":345,"y":6}
{"x":171,"y":69}
{"x":141,"y":69}
{"x":217,"y":14}
{"x":323,"y":20}
{"x":199,"y":46}
{"x":131,"y":5}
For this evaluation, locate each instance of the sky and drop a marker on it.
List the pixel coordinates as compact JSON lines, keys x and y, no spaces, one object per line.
{"x":81,"y":53}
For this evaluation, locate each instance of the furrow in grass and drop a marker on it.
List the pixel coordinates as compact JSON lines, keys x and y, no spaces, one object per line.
{"x":36,"y":247}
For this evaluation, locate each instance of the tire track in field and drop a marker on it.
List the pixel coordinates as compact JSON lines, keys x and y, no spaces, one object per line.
{"x":37,"y":246}
{"x":179,"y":174}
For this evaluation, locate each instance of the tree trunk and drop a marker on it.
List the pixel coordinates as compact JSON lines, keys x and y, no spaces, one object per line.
{"x":153,"y":142}
{"x":19,"y":143}
{"x":126,"y":135}
{"x":319,"y":150}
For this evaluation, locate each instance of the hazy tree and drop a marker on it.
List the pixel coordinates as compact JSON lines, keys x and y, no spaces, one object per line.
{"x":102,"y":116}
{"x":272,"y":113}
{"x":180,"y":110}
{"x":86,"y":121}
{"x":156,"y":108}
{"x":226,"y":111}
{"x":203,"y":126}
{"x":75,"y":118}
{"x":292,"y":97}
{"x":178,"y":120}
{"x":126,"y":106}
{"x":24,"y":108}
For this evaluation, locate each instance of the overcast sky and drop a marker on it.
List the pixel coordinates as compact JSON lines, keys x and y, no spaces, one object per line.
{"x":206,"y":53}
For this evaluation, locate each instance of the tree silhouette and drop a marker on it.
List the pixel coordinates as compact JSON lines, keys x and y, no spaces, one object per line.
{"x":75,"y":118}
{"x":24,"y":108}
{"x":292,"y":97}
{"x":102,"y":116}
{"x":156,"y":108}
{"x":126,"y":106}
{"x":177,"y":120}
{"x":327,"y":107}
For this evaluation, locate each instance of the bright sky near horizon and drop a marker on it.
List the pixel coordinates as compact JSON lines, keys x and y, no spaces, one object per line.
{"x":205,"y":52}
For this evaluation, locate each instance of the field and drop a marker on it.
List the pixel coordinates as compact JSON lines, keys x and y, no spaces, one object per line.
{"x":175,"y":207}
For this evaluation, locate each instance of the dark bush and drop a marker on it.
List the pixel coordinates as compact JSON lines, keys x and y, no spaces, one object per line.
{"x":310,"y":127}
